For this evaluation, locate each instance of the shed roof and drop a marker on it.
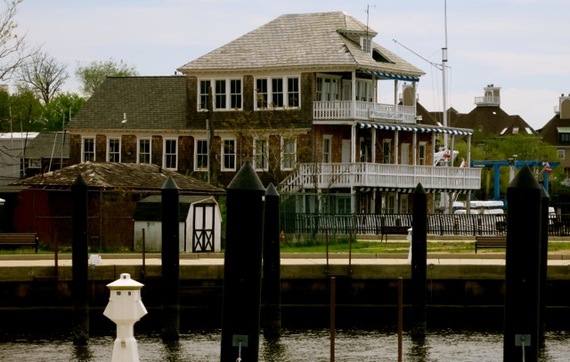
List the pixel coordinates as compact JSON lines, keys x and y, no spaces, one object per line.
{"x":150,"y":208}
{"x":129,"y":176}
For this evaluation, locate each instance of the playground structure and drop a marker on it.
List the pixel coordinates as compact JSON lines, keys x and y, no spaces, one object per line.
{"x":543,"y":169}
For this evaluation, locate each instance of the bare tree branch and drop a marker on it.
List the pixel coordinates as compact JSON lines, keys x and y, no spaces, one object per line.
{"x":44,"y":74}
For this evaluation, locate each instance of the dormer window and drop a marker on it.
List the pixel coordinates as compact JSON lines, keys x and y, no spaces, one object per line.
{"x":366,"y":44}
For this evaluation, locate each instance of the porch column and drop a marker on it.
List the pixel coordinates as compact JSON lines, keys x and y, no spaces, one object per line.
{"x":353,"y":95}
{"x":468,"y":151}
{"x":433,"y":150}
{"x":353,"y":143}
{"x":396,"y":146}
{"x":415,"y":148}
{"x":373,"y":148}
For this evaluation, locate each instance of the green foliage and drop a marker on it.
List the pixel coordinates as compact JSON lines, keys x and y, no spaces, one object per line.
{"x":58,"y":111}
{"x":93,"y":74}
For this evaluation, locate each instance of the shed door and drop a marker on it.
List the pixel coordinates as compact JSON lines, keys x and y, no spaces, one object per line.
{"x":203,"y":228}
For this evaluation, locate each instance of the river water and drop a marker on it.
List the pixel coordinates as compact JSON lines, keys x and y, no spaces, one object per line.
{"x":303,"y":345}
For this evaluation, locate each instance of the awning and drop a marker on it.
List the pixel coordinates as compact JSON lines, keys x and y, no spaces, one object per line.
{"x":563,"y":129}
{"x":409,"y":190}
{"x":385,"y":75}
{"x":397,"y":127}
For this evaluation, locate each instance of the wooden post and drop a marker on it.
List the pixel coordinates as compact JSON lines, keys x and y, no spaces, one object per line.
{"x":419,"y":261}
{"x":80,"y":268}
{"x":242,"y":267}
{"x":271,"y":286}
{"x":522,"y":271}
{"x":170,"y":262}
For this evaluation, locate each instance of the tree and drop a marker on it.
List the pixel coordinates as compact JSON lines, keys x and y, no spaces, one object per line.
{"x":93,"y":74}
{"x":60,"y":110}
{"x":44,"y":74}
{"x":13,"y":48}
{"x":25,"y":111}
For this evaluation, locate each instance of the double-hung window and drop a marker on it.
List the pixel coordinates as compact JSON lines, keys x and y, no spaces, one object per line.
{"x":144,"y":150}
{"x":114,"y":150}
{"x":227,"y":94}
{"x":277,"y":92}
{"x":261,"y":154}
{"x":201,"y":155}
{"x":327,"y":148}
{"x":328,"y":88}
{"x":88,"y":149}
{"x":170,"y":160}
{"x":228,"y":154}
{"x":288,"y":153}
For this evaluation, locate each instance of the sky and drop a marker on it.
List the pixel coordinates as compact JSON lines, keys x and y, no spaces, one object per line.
{"x":518,"y":45}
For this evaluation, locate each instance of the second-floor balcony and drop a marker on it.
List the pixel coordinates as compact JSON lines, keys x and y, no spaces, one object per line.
{"x":488,"y":101}
{"x":366,"y":111}
{"x":376,"y":175}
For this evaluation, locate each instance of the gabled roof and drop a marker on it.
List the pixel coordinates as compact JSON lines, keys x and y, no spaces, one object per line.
{"x":493,"y":120}
{"x":316,"y":41}
{"x":125,"y":176}
{"x":549,"y":132}
{"x":48,"y":144}
{"x":150,"y":208}
{"x":146,"y":102}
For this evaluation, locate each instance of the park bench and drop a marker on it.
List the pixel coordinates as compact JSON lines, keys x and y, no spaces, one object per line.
{"x":392,"y":230}
{"x":19,"y":239}
{"x":490,"y":242}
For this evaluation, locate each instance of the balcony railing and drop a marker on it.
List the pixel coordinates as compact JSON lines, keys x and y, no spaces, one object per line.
{"x":346,"y":175}
{"x":488,"y":101}
{"x":366,"y":111}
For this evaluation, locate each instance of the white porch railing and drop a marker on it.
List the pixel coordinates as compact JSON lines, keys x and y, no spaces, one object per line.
{"x":340,"y":175}
{"x":488,"y":101}
{"x":367,"y":111}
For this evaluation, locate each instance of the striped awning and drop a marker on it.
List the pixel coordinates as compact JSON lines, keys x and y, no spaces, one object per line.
{"x":421,"y":129}
{"x":409,"y":190}
{"x":386,"y":75}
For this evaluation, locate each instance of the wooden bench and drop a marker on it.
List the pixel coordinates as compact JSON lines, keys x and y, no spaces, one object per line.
{"x":392,"y":230}
{"x":490,"y":242}
{"x":19,"y":239}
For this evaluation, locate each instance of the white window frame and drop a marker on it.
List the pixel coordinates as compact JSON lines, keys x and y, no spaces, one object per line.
{"x":327,"y":148}
{"x":228,"y":94}
{"x":139,"y":152}
{"x":422,"y":160}
{"x":561,"y":153}
{"x":405,"y":154}
{"x":265,"y":96}
{"x":112,"y":153}
{"x":198,"y":154}
{"x":231,"y":155}
{"x":261,"y":156}
{"x":83,"y":152}
{"x":166,"y":155}
{"x":288,"y":157}
{"x":364,"y":90}
{"x":328,"y":87}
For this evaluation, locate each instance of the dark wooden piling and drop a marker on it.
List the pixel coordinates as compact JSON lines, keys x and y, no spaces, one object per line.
{"x":80,"y":267}
{"x":522,"y":271}
{"x":544,"y":218}
{"x":170,"y":262}
{"x":419,"y":261}
{"x":242,"y":267}
{"x":271,"y":284}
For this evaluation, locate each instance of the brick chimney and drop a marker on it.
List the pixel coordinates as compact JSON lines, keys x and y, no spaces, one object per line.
{"x":564,"y":107}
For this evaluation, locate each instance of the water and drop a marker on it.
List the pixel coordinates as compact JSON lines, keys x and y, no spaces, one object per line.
{"x":305,"y":345}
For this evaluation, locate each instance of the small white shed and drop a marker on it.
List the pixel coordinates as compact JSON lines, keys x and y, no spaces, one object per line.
{"x":200,"y":224}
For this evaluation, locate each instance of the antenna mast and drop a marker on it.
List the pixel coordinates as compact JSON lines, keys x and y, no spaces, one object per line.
{"x":443,"y":74}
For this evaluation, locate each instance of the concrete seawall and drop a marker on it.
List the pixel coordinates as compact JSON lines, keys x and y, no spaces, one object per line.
{"x":462,"y":288}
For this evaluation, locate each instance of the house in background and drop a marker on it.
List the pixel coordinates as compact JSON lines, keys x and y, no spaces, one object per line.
{"x":299,"y":98}
{"x":557,"y":133}
{"x":12,"y":146}
{"x":488,"y":117}
{"x":48,"y":151}
{"x":200,"y":226}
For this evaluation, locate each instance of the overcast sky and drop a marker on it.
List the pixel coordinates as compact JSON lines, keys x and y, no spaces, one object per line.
{"x":521,"y":46}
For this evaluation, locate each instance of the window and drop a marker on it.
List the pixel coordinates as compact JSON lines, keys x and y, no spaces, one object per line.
{"x":278,"y":92}
{"x":422,"y":154}
{"x":261,"y":154}
{"x":564,"y":137}
{"x":387,"y":151}
{"x":364,"y":90}
{"x":405,"y":159}
{"x":229,"y":155}
{"x":144,"y":151}
{"x":327,"y":88}
{"x":404,"y":204}
{"x":88,"y":153}
{"x":227,"y":94}
{"x":114,"y":150}
{"x":289,"y":153}
{"x":327,"y":148}
{"x":366,"y":44}
{"x":201,"y":155}
{"x":561,"y":153}
{"x":363,"y":150}
{"x":170,"y":154}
